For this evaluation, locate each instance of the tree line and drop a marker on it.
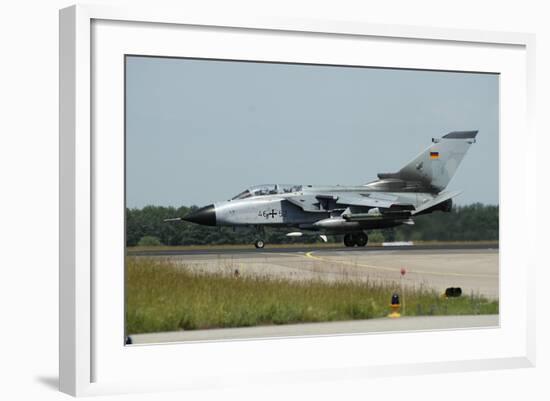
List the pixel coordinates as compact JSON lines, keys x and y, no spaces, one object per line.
{"x":146,"y":226}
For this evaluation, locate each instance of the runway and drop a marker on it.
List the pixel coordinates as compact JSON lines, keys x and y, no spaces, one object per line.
{"x":474,"y":269}
{"x":417,"y":323}
{"x":230,"y":250}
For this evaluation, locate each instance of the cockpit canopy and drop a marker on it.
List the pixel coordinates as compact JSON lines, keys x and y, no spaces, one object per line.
{"x":268,"y":189}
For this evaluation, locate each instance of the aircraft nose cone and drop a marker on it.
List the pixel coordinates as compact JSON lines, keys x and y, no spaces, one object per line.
{"x":205,"y":216}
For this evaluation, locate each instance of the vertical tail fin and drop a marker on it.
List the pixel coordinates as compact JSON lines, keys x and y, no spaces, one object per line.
{"x":436,"y":165}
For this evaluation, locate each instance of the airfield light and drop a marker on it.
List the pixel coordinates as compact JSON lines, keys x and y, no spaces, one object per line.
{"x":395,"y":298}
{"x":395,"y":305}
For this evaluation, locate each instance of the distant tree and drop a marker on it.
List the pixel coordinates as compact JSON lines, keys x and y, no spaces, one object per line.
{"x":389,"y":234}
{"x":376,"y":236}
{"x":149,"y":240}
{"x":464,"y":223}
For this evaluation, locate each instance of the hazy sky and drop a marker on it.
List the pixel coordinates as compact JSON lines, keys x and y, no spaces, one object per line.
{"x":199,"y":131}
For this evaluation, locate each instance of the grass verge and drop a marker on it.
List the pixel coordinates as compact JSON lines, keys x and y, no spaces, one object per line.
{"x":163,"y":297}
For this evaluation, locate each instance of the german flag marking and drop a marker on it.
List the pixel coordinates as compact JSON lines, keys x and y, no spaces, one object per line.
{"x":434,"y":155}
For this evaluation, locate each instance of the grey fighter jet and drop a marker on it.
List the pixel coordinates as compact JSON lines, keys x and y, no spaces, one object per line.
{"x":394,"y":199}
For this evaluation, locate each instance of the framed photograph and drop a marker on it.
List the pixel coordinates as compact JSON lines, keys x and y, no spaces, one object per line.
{"x":276,"y":260}
{"x":277,"y":199}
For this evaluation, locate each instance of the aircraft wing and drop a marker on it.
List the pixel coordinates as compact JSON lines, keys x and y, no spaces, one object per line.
{"x":345,"y":200}
{"x":388,"y":205}
{"x":355,"y":199}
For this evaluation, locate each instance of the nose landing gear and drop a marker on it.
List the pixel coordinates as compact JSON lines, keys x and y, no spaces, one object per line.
{"x":359,"y":239}
{"x":260,"y":232}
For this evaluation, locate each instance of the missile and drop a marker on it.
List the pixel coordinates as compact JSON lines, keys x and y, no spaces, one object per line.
{"x":336,"y":223}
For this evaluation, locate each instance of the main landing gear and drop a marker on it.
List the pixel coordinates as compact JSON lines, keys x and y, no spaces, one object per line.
{"x":259,"y":244}
{"x":359,"y":239}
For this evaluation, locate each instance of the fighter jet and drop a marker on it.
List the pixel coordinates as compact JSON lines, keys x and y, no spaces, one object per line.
{"x":391,"y":200}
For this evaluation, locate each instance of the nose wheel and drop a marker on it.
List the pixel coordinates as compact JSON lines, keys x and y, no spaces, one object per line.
{"x":260,"y":232}
{"x":359,"y":239}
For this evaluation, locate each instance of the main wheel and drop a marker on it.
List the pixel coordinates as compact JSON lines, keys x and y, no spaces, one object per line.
{"x":259,"y":244}
{"x":349,"y":240}
{"x":361,"y":239}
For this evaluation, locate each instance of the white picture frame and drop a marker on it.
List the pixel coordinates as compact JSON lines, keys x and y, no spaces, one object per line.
{"x":93,"y":359}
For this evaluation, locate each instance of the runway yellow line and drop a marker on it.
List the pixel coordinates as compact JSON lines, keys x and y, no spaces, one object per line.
{"x":393,"y":269}
{"x":310,"y":255}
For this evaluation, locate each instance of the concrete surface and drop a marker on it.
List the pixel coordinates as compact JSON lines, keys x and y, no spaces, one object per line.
{"x":331,"y":328}
{"x":474,"y":270}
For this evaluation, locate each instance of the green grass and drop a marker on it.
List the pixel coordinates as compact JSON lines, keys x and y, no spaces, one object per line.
{"x":163,"y":297}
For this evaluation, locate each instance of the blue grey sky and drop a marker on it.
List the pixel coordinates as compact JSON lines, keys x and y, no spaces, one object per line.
{"x":199,"y":131}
